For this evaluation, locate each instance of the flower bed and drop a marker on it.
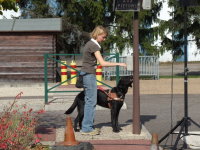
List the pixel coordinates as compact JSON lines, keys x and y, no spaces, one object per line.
{"x":17,"y":127}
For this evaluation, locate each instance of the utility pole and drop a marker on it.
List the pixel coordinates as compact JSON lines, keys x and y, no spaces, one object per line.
{"x":136,"y":89}
{"x":134,"y":5}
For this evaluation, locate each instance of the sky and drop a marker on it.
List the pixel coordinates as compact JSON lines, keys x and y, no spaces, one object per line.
{"x":9,"y":13}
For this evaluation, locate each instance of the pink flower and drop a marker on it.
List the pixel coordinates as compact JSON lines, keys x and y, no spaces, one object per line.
{"x":38,"y":135}
{"x":41,"y":111}
{"x":37,"y":141}
{"x":17,"y":128}
{"x":3,"y":145}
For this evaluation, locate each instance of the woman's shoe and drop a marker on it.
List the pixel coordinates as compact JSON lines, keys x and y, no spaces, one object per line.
{"x":93,"y":132}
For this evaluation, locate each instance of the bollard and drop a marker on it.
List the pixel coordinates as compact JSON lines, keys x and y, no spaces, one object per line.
{"x":64,"y":72}
{"x":99,"y":74}
{"x":73,"y":72}
{"x":154,"y":142}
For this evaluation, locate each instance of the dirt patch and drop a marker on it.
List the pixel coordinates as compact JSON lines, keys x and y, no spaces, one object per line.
{"x":165,"y":86}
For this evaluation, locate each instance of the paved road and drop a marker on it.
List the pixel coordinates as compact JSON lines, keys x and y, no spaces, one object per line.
{"x":166,"y":69}
{"x":156,"y":112}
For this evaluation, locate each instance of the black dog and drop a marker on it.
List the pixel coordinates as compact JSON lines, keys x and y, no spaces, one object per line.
{"x":112,"y":99}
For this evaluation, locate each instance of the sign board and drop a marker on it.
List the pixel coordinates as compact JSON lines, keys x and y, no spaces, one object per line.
{"x":146,"y":4}
{"x":126,"y":5}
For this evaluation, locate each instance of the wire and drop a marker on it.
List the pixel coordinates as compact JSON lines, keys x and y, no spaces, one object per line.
{"x":172,"y":98}
{"x":172,"y":79}
{"x":172,"y":83}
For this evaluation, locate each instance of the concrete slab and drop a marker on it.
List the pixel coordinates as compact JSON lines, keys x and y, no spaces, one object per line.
{"x":108,"y":134}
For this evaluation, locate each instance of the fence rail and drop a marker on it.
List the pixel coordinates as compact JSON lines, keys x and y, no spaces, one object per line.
{"x":57,"y":58}
{"x":148,"y":66}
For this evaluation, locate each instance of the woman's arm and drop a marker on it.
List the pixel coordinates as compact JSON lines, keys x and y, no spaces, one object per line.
{"x":106,"y":63}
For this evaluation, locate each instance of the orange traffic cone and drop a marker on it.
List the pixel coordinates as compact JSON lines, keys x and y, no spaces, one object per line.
{"x":69,"y":134}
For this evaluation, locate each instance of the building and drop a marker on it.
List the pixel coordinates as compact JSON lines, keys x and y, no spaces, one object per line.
{"x":23,"y":43}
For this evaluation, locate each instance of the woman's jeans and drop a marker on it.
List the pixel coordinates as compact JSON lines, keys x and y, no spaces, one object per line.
{"x":90,"y":89}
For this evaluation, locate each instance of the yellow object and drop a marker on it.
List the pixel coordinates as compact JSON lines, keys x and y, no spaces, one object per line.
{"x":64,"y":72}
{"x":99,"y":74}
{"x":73,"y":72}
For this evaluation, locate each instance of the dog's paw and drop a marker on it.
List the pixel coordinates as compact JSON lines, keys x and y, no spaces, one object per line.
{"x":120,"y":129}
{"x":77,"y":130}
{"x":116,"y":130}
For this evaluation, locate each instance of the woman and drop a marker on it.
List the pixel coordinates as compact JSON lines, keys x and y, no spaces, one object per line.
{"x":92,"y":54}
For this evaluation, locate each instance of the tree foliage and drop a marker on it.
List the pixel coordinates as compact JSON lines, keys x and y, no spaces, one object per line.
{"x":87,"y":14}
{"x":35,"y":9}
{"x":81,"y":16}
{"x":182,"y":17}
{"x":8,"y":5}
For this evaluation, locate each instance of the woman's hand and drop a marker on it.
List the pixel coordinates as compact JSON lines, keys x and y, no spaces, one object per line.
{"x":122,"y":64}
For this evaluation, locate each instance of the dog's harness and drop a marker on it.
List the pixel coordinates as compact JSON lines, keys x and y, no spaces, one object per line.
{"x":111,"y":96}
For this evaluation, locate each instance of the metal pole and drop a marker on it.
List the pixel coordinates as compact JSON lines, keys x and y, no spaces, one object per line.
{"x":45,"y":79}
{"x":136,"y":92}
{"x":185,"y":71}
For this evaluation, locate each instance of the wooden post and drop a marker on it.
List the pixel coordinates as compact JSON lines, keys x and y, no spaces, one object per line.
{"x":136,"y":89}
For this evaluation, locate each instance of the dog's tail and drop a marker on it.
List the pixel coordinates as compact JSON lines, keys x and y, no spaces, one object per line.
{"x":73,"y":106}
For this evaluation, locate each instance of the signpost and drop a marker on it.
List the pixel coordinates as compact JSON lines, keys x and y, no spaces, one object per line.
{"x":133,"y":5}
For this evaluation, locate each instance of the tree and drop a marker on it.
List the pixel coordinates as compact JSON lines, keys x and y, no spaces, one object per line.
{"x":8,"y":5}
{"x":87,"y":14}
{"x":175,"y":26}
{"x":81,"y":16}
{"x":35,"y":9}
{"x":147,"y":33}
